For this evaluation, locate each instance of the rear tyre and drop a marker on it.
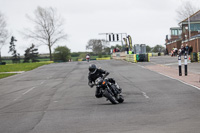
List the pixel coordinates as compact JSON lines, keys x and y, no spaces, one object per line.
{"x":109,"y":97}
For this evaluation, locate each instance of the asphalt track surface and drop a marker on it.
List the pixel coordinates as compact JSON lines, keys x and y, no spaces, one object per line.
{"x":56,"y":99}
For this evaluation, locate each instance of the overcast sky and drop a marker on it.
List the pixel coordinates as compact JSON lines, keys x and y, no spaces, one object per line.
{"x":146,"y":21}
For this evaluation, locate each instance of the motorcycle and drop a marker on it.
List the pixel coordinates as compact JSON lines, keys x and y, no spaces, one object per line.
{"x":109,"y":90}
{"x":87,"y":58}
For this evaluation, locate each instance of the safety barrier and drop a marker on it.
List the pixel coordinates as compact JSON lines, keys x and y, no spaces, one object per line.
{"x":108,"y":58}
{"x":142,"y":58}
{"x":194,"y":57}
{"x":131,"y":58}
{"x":150,"y":54}
{"x":119,"y":56}
{"x":162,"y":54}
{"x":154,"y":54}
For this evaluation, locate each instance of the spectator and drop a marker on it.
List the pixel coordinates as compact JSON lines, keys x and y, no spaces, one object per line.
{"x":182,"y":49}
{"x":114,"y":50}
{"x":175,"y":51}
{"x":179,"y":52}
{"x":172,"y":53}
{"x":190,"y":50}
{"x":117,"y":50}
{"x":187,"y":49}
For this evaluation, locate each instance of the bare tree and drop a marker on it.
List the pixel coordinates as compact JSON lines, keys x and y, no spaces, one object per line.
{"x":3,"y":32}
{"x":96,"y":45}
{"x":185,"y":10}
{"x":48,"y":28}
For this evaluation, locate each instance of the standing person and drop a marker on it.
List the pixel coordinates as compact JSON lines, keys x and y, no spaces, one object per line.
{"x":175,"y":51}
{"x":187,"y":49}
{"x":179,"y":52}
{"x":190,"y":50}
{"x":182,"y":49}
{"x":172,"y":53}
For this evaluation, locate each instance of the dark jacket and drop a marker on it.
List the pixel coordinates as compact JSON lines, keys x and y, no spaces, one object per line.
{"x":98,"y":73}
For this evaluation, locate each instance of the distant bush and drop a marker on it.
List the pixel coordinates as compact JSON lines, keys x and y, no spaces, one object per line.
{"x":61,"y":53}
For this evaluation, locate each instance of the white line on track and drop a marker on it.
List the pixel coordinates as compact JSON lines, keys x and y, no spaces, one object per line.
{"x":17,"y":98}
{"x":42,"y":83}
{"x":28,"y":90}
{"x":24,"y":93}
{"x":145,"y":95}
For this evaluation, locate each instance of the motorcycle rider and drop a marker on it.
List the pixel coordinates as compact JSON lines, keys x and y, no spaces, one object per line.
{"x":87,"y":57}
{"x":95,"y":73}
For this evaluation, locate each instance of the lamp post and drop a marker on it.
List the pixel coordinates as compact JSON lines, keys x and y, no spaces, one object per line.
{"x":189,"y":27}
{"x":188,"y":34}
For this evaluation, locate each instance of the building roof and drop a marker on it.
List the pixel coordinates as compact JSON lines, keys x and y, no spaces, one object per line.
{"x":175,"y":28}
{"x":193,"y":17}
{"x":198,"y":35}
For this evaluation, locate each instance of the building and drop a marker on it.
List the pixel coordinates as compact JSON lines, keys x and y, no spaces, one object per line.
{"x":187,"y":33}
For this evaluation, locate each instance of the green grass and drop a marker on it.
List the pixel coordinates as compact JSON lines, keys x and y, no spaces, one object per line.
{"x":44,"y":59}
{"x":10,"y":61}
{"x":74,"y":58}
{"x":6,"y":75}
{"x":21,"y":66}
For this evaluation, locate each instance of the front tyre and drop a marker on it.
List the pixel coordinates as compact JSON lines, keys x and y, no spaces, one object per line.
{"x":110,"y":97}
{"x":120,"y":99}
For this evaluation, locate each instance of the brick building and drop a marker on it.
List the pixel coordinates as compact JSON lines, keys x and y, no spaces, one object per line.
{"x":181,"y":35}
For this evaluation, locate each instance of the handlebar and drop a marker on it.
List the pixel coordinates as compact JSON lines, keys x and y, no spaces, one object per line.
{"x":105,"y":75}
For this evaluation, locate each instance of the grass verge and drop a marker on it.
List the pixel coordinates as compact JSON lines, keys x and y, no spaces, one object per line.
{"x":4,"y":75}
{"x":22,"y":66}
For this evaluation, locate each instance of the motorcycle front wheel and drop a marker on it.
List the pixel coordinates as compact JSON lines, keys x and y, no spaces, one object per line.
{"x":121,"y":99}
{"x":110,"y":97}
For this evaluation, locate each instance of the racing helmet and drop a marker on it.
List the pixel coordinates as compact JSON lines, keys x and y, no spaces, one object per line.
{"x":92,"y":68}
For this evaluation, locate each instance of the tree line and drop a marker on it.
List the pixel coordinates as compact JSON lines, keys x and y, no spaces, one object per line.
{"x":48,"y":30}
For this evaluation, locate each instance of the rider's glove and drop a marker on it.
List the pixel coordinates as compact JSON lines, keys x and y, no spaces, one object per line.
{"x":90,"y":84}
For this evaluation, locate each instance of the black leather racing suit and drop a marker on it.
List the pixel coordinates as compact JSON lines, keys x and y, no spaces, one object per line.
{"x":93,"y":76}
